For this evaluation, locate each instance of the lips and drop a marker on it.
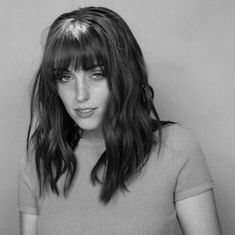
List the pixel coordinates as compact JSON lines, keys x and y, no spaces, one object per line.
{"x":85,"y":112}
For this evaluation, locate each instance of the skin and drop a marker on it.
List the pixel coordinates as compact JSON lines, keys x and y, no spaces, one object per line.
{"x":85,"y":89}
{"x":198,"y":215}
{"x":28,"y":224}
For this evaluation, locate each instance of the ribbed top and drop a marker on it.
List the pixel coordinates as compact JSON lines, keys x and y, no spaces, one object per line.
{"x":180,"y":171}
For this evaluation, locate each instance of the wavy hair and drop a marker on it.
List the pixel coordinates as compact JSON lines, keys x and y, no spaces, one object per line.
{"x":82,"y":38}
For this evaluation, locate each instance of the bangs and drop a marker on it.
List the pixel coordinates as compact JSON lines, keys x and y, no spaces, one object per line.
{"x":84,"y":52}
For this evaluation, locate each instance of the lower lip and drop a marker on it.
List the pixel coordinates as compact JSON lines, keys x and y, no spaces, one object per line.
{"x":85,"y":114}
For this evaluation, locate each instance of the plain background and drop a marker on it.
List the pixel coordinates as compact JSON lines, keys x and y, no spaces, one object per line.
{"x":189,"y":47}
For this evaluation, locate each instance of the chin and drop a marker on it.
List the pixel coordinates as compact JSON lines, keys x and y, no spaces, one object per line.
{"x":88,"y":126}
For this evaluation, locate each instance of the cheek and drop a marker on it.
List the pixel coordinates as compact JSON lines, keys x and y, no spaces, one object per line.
{"x":104,"y":100}
{"x":107,"y":98}
{"x":64,"y":97}
{"x":105,"y":94}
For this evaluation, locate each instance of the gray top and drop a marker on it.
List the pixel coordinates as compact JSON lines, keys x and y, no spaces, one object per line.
{"x":179,"y":172}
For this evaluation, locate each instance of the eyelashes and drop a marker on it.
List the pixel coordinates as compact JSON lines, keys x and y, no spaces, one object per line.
{"x":93,"y":75}
{"x":64,"y":78}
{"x":97,"y":75}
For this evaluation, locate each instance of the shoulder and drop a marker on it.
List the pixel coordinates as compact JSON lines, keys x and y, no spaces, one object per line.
{"x":189,"y":166}
{"x":183,"y":160}
{"x":27,"y":163}
{"x":183,"y":148}
{"x":28,"y":191}
{"x":27,"y":170}
{"x":179,"y":139}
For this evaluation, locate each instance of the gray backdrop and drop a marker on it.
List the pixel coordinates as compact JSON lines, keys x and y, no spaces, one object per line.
{"x":189,"y":47}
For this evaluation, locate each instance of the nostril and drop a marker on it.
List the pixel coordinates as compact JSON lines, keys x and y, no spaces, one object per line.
{"x":82,"y":94}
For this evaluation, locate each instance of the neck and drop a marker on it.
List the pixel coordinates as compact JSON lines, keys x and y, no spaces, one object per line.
{"x":92,"y":135}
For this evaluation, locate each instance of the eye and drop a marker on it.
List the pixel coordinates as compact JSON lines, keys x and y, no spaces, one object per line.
{"x":64,"y":78}
{"x":97,"y":75}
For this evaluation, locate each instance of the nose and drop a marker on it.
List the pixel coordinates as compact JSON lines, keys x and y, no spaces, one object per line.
{"x":82,"y":89}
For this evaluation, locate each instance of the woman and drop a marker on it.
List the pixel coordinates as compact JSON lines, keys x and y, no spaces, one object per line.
{"x":99,"y":159}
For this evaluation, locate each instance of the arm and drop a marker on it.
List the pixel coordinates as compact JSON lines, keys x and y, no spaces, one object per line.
{"x":28,"y":223}
{"x":198,"y":215}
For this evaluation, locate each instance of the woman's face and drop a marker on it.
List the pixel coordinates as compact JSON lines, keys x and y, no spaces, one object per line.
{"x":84,"y":95}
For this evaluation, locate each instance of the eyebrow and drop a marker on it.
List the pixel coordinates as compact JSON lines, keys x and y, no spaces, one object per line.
{"x":91,"y":67}
{"x":94,"y":66}
{"x":62,"y":71}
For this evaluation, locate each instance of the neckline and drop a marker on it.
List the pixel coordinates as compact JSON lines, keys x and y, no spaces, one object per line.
{"x":91,"y":143}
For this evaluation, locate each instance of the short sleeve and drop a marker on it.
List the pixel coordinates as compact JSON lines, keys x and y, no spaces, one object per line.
{"x":190,"y":166}
{"x":27,"y":193}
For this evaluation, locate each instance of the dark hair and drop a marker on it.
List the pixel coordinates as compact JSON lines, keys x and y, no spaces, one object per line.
{"x":82,"y":38}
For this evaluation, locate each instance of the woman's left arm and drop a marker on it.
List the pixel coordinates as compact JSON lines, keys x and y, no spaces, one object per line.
{"x":198,"y":214}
